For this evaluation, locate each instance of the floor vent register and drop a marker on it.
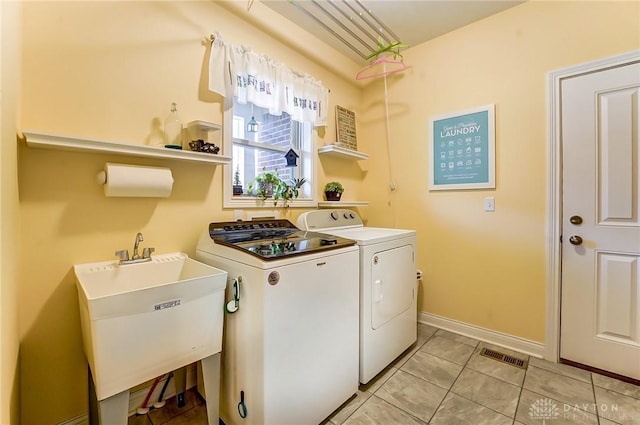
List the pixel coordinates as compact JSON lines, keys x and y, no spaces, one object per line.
{"x":504,"y":358}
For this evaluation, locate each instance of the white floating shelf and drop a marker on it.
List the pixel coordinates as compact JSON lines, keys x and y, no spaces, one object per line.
{"x":36,"y":139}
{"x":207,"y":131}
{"x":334,"y":204}
{"x":340,"y":152}
{"x":204,"y":125}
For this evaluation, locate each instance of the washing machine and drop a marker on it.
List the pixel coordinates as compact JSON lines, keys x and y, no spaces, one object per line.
{"x":290,"y":350}
{"x":388,"y":285}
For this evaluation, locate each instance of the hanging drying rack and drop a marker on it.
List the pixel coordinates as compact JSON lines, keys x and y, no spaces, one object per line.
{"x":353,"y":24}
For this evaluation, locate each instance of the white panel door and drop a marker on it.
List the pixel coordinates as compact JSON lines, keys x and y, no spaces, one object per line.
{"x":600,"y":309}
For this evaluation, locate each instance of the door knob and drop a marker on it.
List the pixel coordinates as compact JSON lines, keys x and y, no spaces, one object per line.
{"x":575,"y":240}
{"x":575,"y":219}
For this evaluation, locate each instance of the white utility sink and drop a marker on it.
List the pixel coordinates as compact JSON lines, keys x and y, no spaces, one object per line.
{"x":145,"y":319}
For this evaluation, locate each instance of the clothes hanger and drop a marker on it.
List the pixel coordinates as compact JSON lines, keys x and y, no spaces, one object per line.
{"x":374,"y":70}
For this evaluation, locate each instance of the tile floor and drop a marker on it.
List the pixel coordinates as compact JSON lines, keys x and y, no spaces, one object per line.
{"x":443,"y":380}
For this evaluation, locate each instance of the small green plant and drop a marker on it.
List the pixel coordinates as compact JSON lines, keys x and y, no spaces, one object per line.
{"x":287,"y":192}
{"x":333,"y":187}
{"x":236,"y":176}
{"x":237,"y":185}
{"x":266,"y":183}
{"x":333,"y":191}
{"x":269,"y":184}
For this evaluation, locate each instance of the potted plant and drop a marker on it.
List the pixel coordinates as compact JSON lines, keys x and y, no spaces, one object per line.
{"x":237,"y":185}
{"x":270,"y":185}
{"x":287,"y":192}
{"x":333,"y":191}
{"x":266,"y":183}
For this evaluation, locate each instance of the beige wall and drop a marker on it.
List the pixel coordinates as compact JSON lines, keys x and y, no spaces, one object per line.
{"x":106,"y":70}
{"x":9,"y":226}
{"x":481,"y":268}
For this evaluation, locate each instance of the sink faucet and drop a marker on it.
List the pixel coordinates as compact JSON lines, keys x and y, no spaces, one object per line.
{"x":139,"y":238}
{"x":123,"y":254}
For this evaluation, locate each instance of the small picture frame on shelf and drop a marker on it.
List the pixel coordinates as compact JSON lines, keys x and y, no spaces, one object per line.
{"x":346,"y":128}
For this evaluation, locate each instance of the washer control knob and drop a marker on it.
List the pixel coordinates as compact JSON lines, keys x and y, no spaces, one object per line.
{"x":334,"y":215}
{"x":352,"y":215}
{"x":346,"y":216}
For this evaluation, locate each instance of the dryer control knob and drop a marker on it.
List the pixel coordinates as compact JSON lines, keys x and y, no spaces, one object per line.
{"x":334,"y":215}
{"x":345,"y":215}
{"x":352,"y":215}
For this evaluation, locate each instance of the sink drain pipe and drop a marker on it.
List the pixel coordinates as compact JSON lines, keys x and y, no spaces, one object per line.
{"x":158,"y":404}
{"x":144,"y":409}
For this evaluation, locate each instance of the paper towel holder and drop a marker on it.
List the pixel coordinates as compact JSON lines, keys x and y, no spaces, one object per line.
{"x":101,"y":178}
{"x":135,"y":181}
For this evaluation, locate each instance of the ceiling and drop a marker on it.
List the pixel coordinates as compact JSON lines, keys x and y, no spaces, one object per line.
{"x":408,"y":21}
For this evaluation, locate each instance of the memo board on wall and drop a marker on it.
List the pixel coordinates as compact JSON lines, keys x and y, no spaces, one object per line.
{"x":346,"y":128}
{"x":462,"y":150}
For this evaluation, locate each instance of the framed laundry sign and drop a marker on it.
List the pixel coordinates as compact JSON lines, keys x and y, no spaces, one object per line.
{"x":462,"y":150}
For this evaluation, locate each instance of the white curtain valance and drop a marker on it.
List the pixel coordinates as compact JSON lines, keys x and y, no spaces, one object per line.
{"x":258,"y":79}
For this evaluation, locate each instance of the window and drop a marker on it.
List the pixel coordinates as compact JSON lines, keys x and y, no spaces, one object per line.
{"x":264,"y":151}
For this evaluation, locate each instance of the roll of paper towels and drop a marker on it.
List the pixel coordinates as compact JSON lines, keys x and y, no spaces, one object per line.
{"x":135,"y":181}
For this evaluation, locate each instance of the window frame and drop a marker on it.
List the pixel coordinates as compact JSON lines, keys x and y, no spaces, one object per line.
{"x":230,"y":201}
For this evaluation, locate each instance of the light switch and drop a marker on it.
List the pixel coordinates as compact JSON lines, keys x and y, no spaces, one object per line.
{"x":237,"y":215}
{"x":489,"y":203}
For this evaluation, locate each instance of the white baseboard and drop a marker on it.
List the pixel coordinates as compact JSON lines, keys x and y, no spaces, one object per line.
{"x":80,"y":420}
{"x":136,"y":398}
{"x":511,"y":342}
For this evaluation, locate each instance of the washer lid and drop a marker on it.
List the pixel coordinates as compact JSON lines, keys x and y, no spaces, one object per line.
{"x":273,"y":239}
{"x":371,"y":235}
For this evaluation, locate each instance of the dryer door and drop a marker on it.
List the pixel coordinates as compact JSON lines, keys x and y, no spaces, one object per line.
{"x":393,"y":280}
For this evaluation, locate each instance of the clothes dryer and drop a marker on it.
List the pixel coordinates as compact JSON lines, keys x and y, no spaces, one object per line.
{"x":388,"y":286}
